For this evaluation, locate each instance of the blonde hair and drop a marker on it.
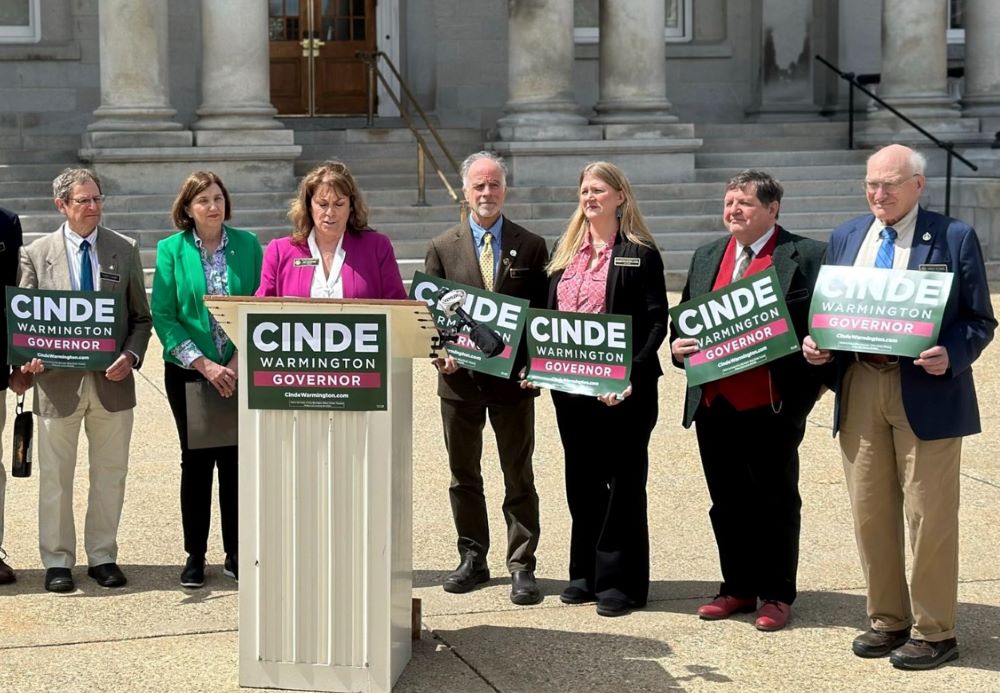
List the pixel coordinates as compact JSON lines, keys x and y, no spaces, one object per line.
{"x":630,"y":221}
{"x":337,"y":175}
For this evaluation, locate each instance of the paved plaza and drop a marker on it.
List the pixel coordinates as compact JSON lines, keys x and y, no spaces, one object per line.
{"x":154,"y":635}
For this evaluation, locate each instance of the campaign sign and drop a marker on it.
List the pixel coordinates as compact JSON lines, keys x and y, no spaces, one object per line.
{"x":878,"y":311}
{"x":82,"y":330}
{"x":738,"y":327}
{"x":579,"y":353}
{"x":504,"y":314}
{"x":312,"y":361}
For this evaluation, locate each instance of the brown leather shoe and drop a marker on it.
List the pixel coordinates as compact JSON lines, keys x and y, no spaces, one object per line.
{"x":879,"y":643}
{"x":921,"y":654}
{"x":7,"y":575}
{"x":772,"y":615}
{"x":724,"y":606}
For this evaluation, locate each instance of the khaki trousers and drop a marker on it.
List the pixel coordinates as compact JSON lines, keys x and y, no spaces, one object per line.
{"x":891,"y":474}
{"x":108,"y":435}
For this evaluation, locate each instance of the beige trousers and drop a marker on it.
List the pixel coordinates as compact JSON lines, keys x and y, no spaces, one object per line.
{"x":108,"y":435}
{"x":891,"y":474}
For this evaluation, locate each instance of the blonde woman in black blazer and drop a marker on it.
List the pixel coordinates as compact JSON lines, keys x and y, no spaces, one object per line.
{"x":606,"y":439}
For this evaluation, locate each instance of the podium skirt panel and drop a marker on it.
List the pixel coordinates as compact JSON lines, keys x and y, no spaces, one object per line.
{"x":197,"y":467}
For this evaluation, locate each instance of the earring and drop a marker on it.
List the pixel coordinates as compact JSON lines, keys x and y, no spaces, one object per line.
{"x":618,"y":213}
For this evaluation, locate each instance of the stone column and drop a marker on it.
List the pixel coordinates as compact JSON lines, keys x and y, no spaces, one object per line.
{"x":540,"y":67}
{"x":135,"y":104}
{"x":633,"y":68}
{"x":982,"y":58}
{"x":915,"y":59}
{"x":235,"y":77}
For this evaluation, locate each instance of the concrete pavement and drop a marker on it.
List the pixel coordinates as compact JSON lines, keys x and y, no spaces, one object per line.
{"x":155,"y":636}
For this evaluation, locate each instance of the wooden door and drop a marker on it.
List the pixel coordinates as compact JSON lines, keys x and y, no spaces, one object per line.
{"x":288,"y":26}
{"x":344,"y":28}
{"x":313,"y":44}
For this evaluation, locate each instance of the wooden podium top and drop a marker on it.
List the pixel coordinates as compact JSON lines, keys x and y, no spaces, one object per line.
{"x":412,"y":324}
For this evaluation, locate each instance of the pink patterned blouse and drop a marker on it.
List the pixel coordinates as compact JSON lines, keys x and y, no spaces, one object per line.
{"x":582,"y":289}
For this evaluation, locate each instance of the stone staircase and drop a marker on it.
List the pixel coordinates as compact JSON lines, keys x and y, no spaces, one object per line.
{"x":822,"y":188}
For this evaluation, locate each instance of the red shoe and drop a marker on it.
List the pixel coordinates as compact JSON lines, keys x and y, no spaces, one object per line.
{"x":724,"y":606}
{"x":772,"y":615}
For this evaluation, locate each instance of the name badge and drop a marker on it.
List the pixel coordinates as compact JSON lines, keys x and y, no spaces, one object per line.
{"x":627,"y":262}
{"x":306,"y":262}
{"x":519,"y":272}
{"x":933,"y":268}
{"x":111,"y":277}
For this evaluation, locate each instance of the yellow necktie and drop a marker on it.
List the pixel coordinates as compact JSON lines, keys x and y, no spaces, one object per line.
{"x":486,"y":261}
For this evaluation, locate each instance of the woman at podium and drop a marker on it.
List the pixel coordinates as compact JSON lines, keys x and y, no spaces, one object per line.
{"x":608,"y":262}
{"x":331,"y":252}
{"x":204,"y":258}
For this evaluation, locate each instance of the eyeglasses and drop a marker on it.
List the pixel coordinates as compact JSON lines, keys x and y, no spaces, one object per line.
{"x":87,"y":201}
{"x":888,"y":186}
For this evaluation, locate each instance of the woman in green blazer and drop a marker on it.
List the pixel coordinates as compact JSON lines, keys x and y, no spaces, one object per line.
{"x":205,"y":258}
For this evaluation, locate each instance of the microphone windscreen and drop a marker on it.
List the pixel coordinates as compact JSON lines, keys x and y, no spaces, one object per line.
{"x":486,"y":340}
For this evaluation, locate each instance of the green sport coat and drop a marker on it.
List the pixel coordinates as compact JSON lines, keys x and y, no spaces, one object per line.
{"x":178,"y":304}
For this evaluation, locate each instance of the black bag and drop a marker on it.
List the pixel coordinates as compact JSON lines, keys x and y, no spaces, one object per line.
{"x":24,"y":428}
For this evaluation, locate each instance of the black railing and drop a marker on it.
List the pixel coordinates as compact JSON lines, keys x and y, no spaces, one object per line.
{"x":856,"y":83}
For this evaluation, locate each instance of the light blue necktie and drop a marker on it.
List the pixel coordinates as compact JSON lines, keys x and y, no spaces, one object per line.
{"x":86,"y":269}
{"x":887,"y":250}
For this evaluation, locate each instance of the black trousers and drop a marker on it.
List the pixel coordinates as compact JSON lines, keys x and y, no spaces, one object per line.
{"x":514,"y":426}
{"x":751,"y":463}
{"x":197,"y":468}
{"x":607,"y":462}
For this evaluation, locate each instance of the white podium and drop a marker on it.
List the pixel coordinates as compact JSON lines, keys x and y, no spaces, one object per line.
{"x":326,"y":519}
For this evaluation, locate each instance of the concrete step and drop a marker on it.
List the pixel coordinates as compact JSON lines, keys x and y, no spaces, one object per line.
{"x":17,"y":189}
{"x":820,"y":174}
{"x":773,"y":144}
{"x":40,"y":155}
{"x":825,"y":128}
{"x":784,"y":159}
{"x":382,"y":136}
{"x":20,"y":173}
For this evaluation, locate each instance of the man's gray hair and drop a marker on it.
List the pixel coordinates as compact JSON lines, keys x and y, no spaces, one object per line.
{"x":479,"y":156}
{"x":64,"y":182}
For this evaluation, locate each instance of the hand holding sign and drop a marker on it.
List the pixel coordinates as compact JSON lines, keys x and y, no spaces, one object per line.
{"x":934,"y":360}
{"x":814,"y":355}
{"x":120,"y":369}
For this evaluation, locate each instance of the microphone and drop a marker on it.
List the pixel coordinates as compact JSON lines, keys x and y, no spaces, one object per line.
{"x":485,"y":339}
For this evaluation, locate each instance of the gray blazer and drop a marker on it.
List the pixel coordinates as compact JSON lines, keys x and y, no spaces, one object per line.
{"x":44,"y":266}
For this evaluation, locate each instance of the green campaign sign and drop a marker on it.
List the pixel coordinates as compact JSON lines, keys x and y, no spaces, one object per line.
{"x":313,"y":361}
{"x":738,"y":327}
{"x":878,"y":311}
{"x":82,"y":330}
{"x":504,"y":314}
{"x":579,"y":353}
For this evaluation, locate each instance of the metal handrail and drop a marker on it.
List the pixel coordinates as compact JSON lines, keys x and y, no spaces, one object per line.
{"x":370,"y":58}
{"x":948,"y":147}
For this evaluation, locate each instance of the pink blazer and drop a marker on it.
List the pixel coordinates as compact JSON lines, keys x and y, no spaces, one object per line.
{"x":370,"y":269}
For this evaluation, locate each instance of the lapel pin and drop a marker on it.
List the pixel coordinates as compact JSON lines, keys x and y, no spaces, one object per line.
{"x":926,"y":236}
{"x":506,"y":261}
{"x":513,"y":252}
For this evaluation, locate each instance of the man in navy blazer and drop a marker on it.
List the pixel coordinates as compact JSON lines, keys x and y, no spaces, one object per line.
{"x":901,"y":420}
